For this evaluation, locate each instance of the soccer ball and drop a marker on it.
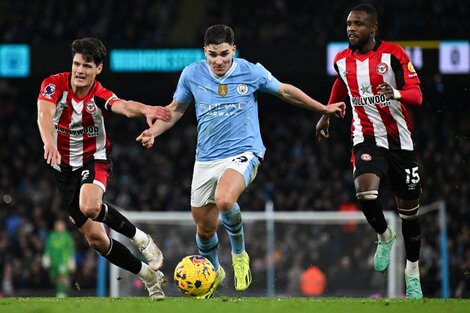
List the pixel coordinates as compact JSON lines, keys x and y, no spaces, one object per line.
{"x":194,"y":275}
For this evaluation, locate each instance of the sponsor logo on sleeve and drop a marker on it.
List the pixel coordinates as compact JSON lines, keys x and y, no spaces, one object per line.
{"x":411,"y":68}
{"x":48,"y":91}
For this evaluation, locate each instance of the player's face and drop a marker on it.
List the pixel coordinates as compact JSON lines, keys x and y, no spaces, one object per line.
{"x":219,"y":57}
{"x":60,"y":226}
{"x":360,"y":29}
{"x":84,"y":72}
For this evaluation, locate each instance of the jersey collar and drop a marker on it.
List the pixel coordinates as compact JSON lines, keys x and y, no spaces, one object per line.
{"x":229,"y":72}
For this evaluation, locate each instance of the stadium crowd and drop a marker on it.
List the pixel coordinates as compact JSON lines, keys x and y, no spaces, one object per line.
{"x":154,"y":23}
{"x":299,"y":174}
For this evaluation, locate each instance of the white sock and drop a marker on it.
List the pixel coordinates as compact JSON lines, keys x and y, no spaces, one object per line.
{"x":386,"y":236}
{"x":412,"y":268}
{"x":140,"y":238}
{"x":145,"y":272}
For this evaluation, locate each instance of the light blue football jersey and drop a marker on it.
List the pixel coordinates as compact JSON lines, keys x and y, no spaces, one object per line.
{"x":226,"y":107}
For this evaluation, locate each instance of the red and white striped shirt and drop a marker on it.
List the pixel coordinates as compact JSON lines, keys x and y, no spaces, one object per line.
{"x":80,"y":133}
{"x":386,"y":123}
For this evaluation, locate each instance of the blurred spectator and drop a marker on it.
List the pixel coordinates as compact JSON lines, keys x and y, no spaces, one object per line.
{"x":7,"y":281}
{"x":313,"y":282}
{"x":349,"y":207}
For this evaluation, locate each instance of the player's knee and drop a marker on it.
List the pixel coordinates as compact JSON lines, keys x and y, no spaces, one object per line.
{"x":409,"y":213}
{"x":224,"y":203}
{"x":206,"y":232}
{"x":98,"y":242}
{"x":90,"y":209}
{"x":367,"y":195}
{"x":95,"y":241}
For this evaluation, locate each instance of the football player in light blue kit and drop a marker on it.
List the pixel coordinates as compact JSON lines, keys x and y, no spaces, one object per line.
{"x":229,"y":145}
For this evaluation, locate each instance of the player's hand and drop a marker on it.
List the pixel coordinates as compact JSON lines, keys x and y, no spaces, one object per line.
{"x":386,"y":90}
{"x":157,"y":112}
{"x":72,"y":265}
{"x":321,"y":129}
{"x":46,"y":261}
{"x":146,"y":138}
{"x":51,"y":155}
{"x":337,"y":109}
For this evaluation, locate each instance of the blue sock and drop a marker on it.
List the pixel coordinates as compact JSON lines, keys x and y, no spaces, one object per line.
{"x":233,"y":225}
{"x":208,"y":249}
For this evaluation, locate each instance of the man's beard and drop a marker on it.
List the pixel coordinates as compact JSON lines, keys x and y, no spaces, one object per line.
{"x":359,"y":45}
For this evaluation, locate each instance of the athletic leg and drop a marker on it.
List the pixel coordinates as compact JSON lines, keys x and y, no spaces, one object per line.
{"x":116,"y":253}
{"x":110,"y":216}
{"x":411,"y":229}
{"x":367,"y":186}
{"x":206,"y":218}
{"x":230,"y":186}
{"x":406,"y":185}
{"x":91,"y":205}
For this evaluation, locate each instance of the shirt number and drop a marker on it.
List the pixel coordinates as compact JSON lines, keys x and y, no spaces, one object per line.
{"x":412,"y":175}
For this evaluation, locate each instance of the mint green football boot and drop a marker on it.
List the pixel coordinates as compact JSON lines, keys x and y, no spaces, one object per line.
{"x":382,"y":255}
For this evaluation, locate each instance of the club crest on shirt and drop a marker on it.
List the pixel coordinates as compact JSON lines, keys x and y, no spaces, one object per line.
{"x":222,"y":89}
{"x":382,"y":68}
{"x":242,"y":89}
{"x":90,"y":106}
{"x":49,"y":90}
{"x":366,"y":157}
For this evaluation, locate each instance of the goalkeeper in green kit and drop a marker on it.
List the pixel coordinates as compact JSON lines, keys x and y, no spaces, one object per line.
{"x":59,"y":257}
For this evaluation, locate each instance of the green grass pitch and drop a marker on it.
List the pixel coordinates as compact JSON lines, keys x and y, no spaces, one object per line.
{"x":229,"y":305}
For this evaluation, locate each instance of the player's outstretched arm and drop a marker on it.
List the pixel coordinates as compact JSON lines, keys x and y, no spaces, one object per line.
{"x":321,"y":129}
{"x":147,"y":137}
{"x":46,"y":111}
{"x":338,"y":93}
{"x":297,"y":97}
{"x":134,"y":109}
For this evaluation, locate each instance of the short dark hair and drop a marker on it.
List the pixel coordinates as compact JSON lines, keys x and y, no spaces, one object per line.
{"x":219,"y":34}
{"x":369,"y":9}
{"x":92,"y":49}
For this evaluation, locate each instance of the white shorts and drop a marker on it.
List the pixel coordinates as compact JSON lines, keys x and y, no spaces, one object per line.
{"x":206,"y":175}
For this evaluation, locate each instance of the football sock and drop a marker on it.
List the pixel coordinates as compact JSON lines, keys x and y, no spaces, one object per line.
{"x":60,"y":290}
{"x":140,"y":238}
{"x":111,"y":217}
{"x":386,"y":236}
{"x":232,"y":220}
{"x":372,"y":210}
{"x":412,"y":268}
{"x":411,"y":231}
{"x":120,"y":256}
{"x":145,"y":272}
{"x":208,"y":249}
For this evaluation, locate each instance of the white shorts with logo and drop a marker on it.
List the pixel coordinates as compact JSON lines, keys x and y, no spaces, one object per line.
{"x":206,"y":175}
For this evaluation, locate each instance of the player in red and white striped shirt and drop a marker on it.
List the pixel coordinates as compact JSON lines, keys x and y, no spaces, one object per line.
{"x":382,"y":85}
{"x":72,"y":109}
